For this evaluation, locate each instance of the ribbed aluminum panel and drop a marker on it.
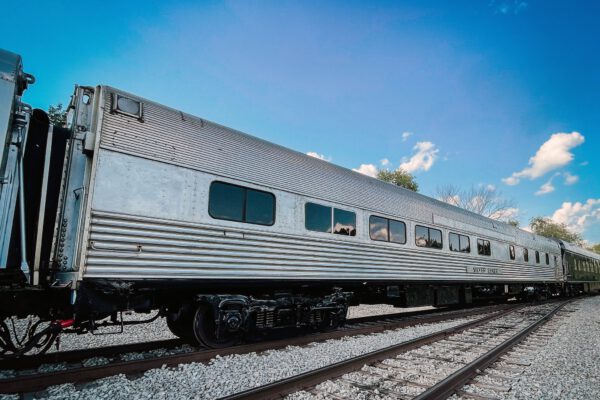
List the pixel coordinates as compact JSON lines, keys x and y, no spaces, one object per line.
{"x":180,"y":139}
{"x":128,"y":247}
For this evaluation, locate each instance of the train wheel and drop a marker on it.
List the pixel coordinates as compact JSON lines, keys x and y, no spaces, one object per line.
{"x":205,"y":329}
{"x":181,"y":324}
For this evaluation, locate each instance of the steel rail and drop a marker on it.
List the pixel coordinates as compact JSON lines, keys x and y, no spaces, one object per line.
{"x":458,"y":379}
{"x":71,"y":356}
{"x":74,"y":356}
{"x":281,"y":388}
{"x":37,"y":382}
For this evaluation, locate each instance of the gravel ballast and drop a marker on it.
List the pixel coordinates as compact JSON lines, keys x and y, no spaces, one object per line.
{"x":568,"y":366}
{"x":235,"y":373}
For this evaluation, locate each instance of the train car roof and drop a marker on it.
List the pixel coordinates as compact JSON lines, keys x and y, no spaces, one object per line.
{"x":230,"y":153}
{"x":580,"y":250}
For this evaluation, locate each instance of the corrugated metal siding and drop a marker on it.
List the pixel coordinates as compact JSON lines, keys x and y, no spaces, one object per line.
{"x":174,"y":137}
{"x":128,"y":247}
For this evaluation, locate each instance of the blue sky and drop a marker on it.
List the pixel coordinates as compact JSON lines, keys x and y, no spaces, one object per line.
{"x":463,"y":92}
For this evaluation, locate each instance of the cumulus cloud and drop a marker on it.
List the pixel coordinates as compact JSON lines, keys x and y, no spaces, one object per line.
{"x":319,"y":156}
{"x":367,"y":169}
{"x":406,"y":135}
{"x":423,"y":159}
{"x":385,"y":162}
{"x":553,"y":154}
{"x":546,"y":188}
{"x":578,"y":216}
{"x":570,"y":179}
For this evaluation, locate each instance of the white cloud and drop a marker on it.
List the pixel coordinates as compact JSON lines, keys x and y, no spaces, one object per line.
{"x":423,"y":159}
{"x":506,"y":214}
{"x":578,"y":216}
{"x":406,"y":135}
{"x":491,"y":187}
{"x":553,"y":154}
{"x":546,"y":188}
{"x":570,"y":179}
{"x":584,"y":163}
{"x":319,"y":156}
{"x":385,"y":162}
{"x":367,"y":169}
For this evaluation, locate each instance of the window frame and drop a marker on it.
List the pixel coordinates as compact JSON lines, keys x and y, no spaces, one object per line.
{"x":537,"y":257}
{"x":547,"y":259}
{"x":525,"y":254}
{"x":512,"y":252}
{"x":244,"y":205}
{"x":388,"y":230}
{"x":489,"y":247}
{"x":460,"y":236}
{"x":428,"y":246}
{"x":332,"y":210}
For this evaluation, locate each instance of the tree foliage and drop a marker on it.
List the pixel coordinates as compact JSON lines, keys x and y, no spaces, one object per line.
{"x":481,"y":200}
{"x":595,"y":248}
{"x":544,"y":226}
{"x":398,"y":177}
{"x":57,"y":115}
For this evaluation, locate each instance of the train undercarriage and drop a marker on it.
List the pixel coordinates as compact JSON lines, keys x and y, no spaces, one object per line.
{"x":216,"y":319}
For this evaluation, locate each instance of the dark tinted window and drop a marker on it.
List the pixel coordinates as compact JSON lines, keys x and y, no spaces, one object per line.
{"x":226,"y":201}
{"x":460,"y":243}
{"x":465,"y":244}
{"x":421,"y":236}
{"x":484,"y":247}
{"x":428,"y":237}
{"x":454,"y":242}
{"x":537,"y":256}
{"x":511,"y":251}
{"x":317,"y":218}
{"x":547,"y":259}
{"x":397,"y":231}
{"x":526,"y":255}
{"x":344,"y":222}
{"x":378,"y":228}
{"x":237,"y":203}
{"x":260,"y":207}
{"x":435,"y":238}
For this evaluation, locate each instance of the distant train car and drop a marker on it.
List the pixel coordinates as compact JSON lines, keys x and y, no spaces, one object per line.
{"x":229,"y":235}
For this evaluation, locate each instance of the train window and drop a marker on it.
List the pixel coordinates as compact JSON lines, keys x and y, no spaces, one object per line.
{"x":459,"y":243}
{"x":317,"y":218}
{"x":237,"y":203}
{"x":397,"y":231}
{"x":260,"y":207}
{"x":547,"y":259}
{"x":387,"y":230}
{"x":428,"y":237}
{"x":378,"y":228}
{"x":511,"y":251}
{"x":484,"y":247}
{"x":555,"y":261}
{"x":453,"y":242}
{"x":344,"y":222}
{"x":525,"y":255}
{"x":537,"y":257}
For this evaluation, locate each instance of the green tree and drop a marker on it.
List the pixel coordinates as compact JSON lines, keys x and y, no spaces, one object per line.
{"x":398,"y":177}
{"x":513,"y":222}
{"x":546,"y":227}
{"x":595,"y":248}
{"x":57,"y":115}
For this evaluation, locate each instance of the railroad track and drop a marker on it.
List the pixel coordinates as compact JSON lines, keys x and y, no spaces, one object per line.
{"x":436,"y":366}
{"x":28,"y":380}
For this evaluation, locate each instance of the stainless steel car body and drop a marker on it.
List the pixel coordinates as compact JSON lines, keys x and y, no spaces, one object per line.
{"x":145,"y":211}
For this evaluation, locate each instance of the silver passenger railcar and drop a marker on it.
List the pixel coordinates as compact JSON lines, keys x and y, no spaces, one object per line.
{"x":138,"y":206}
